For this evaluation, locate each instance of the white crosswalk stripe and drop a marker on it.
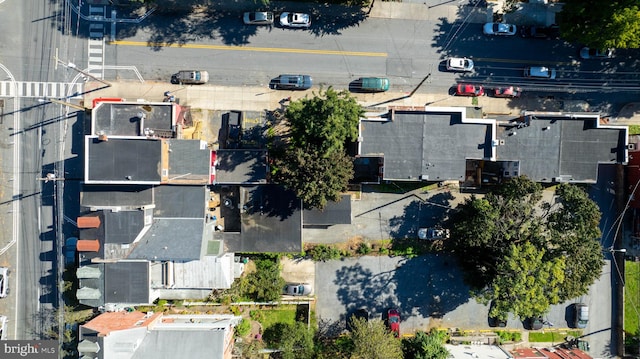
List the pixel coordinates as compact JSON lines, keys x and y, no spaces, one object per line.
{"x":96,"y":44}
{"x":41,"y":89}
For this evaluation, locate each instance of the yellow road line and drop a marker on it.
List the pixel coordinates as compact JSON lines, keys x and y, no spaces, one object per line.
{"x":247,"y":48}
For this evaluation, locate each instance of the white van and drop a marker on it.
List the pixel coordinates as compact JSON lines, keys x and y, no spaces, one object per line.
{"x":540,"y":72}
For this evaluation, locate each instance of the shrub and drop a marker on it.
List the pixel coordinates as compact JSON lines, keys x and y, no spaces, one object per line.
{"x":243,"y":328}
{"x":235,"y":310}
{"x":256,"y":315}
{"x":324,"y":253}
{"x":364,"y":249}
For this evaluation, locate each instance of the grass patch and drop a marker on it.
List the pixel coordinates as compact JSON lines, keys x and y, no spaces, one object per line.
{"x":552,"y":337}
{"x":634,"y":129}
{"x":509,"y":336}
{"x":284,"y":314}
{"x":631,"y":297}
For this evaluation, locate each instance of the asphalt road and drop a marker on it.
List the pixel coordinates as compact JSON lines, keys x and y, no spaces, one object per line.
{"x":403,"y":50}
{"x":38,"y":134}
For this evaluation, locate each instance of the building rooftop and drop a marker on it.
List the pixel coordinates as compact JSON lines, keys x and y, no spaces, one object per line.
{"x":241,"y":166}
{"x":270,"y":221}
{"x":432,"y":144}
{"x":559,"y":148}
{"x":131,"y":118}
{"x":122,"y":160}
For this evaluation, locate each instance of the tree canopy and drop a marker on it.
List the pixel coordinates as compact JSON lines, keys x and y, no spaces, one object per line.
{"x":293,"y":340}
{"x":601,"y":24}
{"x":265,"y":284}
{"x":525,"y":254}
{"x":426,"y":345}
{"x":313,"y":161}
{"x":372,"y":340}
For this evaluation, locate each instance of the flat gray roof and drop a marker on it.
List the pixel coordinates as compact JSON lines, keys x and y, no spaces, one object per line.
{"x":120,"y":160}
{"x":179,"y":239}
{"x":123,"y":118}
{"x":333,"y":213}
{"x":131,"y":196}
{"x":189,"y":162}
{"x":560,"y":148}
{"x":126,"y":282}
{"x":271,"y":222}
{"x":428,"y":145}
{"x":241,"y":166}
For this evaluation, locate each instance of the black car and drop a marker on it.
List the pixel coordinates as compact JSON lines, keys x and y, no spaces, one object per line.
{"x":534,"y":323}
{"x":232,"y":123}
{"x":540,"y":32}
{"x":498,"y":319}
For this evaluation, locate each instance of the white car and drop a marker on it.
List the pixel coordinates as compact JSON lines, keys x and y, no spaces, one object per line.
{"x":433,"y":234}
{"x":258,"y":18}
{"x":295,"y":19}
{"x":3,"y":327}
{"x":498,"y":28}
{"x":4,"y":281}
{"x":459,"y":64}
{"x":297,"y":289}
{"x":589,"y":53}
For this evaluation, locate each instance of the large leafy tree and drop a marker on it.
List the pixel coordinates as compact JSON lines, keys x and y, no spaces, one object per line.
{"x":601,"y":24}
{"x":525,"y":254}
{"x":312,"y":160}
{"x":372,"y":340}
{"x":265,"y":284}
{"x":293,"y":340}
{"x":426,"y":345}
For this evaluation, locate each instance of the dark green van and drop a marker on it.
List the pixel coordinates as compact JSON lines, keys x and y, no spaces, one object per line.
{"x":374,"y":84}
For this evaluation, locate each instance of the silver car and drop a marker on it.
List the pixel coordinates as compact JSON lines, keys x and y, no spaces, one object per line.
{"x":258,"y":18}
{"x":500,"y":29}
{"x":297,"y":289}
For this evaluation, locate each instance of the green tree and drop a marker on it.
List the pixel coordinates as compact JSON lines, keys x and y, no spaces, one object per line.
{"x":426,"y":346}
{"x":293,"y":340}
{"x":525,"y":254}
{"x":265,"y":284}
{"x":325,"y":122}
{"x":526,"y":283}
{"x":312,"y":160}
{"x":315,"y":177}
{"x":372,"y":340}
{"x":601,"y":24}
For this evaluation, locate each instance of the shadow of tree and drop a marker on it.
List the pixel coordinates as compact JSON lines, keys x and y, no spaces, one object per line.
{"x":427,"y":286}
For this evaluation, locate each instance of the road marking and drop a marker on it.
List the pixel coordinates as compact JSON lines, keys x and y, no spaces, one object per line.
{"x":95,"y":48}
{"x":246,"y":48}
{"x":40,"y":89}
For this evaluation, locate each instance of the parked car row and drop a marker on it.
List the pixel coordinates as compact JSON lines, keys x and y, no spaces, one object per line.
{"x":579,"y":318}
{"x":464,"y":89}
{"x":287,"y":19}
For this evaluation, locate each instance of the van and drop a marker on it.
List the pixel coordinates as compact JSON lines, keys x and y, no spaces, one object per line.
{"x":581,"y":315}
{"x":540,"y":72}
{"x":190,"y":77}
{"x":291,"y":82}
{"x":374,"y":84}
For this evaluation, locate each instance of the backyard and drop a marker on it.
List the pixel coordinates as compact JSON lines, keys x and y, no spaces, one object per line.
{"x":631,"y":303}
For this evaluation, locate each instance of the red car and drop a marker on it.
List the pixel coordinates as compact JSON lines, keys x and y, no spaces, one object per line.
{"x":393,"y":321}
{"x":469,"y":90}
{"x":508,"y":92}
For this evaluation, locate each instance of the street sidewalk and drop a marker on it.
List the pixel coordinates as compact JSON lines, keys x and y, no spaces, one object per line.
{"x":255,"y":98}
